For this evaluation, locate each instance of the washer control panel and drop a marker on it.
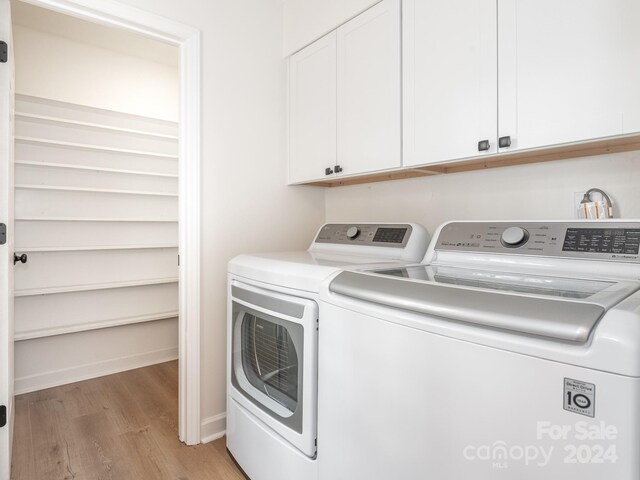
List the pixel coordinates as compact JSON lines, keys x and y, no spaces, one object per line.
{"x":615,"y":241}
{"x":379,"y":235}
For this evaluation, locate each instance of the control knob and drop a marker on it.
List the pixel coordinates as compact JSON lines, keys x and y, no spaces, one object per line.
{"x":353,"y":232}
{"x":514,"y":237}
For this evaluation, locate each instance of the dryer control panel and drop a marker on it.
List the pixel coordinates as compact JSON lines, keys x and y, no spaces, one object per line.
{"x":614,"y":241}
{"x":381,"y":235}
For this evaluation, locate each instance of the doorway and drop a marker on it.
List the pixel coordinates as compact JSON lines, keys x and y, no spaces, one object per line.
{"x":187,"y":41}
{"x":96,"y":200}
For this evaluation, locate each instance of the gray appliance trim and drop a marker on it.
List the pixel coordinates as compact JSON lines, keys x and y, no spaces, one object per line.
{"x":568,"y":321}
{"x":269,"y":303}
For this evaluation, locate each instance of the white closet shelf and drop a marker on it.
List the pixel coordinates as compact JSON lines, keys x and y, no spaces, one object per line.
{"x":93,"y":169}
{"x":88,"y":125}
{"x":92,"y":248}
{"x":91,"y":287}
{"x":93,"y":190}
{"x":95,"y":148}
{"x":50,"y":332}
{"x":22,"y":97}
{"x":78,"y":219}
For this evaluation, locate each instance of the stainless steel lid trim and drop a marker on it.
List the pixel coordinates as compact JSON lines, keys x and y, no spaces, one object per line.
{"x":563,"y":320}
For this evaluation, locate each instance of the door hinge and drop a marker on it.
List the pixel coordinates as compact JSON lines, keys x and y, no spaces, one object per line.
{"x":3,"y":415}
{"x":3,"y":234}
{"x":4,"y":52}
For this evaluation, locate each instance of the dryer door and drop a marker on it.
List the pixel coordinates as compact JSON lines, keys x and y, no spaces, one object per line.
{"x":270,"y":363}
{"x":273,"y":363}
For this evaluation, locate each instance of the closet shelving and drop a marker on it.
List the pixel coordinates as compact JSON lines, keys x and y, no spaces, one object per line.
{"x":94,"y":169}
{"x":41,"y":333}
{"x":90,"y":147}
{"x":89,"y":125}
{"x":93,"y":219}
{"x":92,"y":287}
{"x":95,"y":248}
{"x":96,"y":192}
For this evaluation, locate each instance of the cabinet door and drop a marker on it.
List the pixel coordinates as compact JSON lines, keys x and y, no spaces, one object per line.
{"x":568,"y":70}
{"x":369,"y":112}
{"x":312,"y":110}
{"x":450,"y":79}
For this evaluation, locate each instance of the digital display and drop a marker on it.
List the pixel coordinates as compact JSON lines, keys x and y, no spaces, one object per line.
{"x":602,"y":240}
{"x":390,"y":235}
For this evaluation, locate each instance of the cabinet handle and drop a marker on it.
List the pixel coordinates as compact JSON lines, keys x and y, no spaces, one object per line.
{"x":338,"y":168}
{"x":19,"y":258}
{"x":328,"y":171}
{"x":483,"y":145}
{"x":504,"y":142}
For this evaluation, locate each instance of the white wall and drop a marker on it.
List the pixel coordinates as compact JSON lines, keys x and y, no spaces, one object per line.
{"x":536,"y":191}
{"x":61,"y":69}
{"x":246,"y":203}
{"x":308,"y":20}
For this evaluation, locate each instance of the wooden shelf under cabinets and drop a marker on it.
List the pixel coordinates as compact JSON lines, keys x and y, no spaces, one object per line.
{"x":625,"y":143}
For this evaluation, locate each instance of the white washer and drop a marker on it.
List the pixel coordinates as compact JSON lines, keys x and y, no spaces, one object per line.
{"x":273,"y":341}
{"x":512,"y":352}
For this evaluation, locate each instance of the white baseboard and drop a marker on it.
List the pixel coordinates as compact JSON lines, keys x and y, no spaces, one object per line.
{"x":78,"y":373}
{"x":213,"y":428}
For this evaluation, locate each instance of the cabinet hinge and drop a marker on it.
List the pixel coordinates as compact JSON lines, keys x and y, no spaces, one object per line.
{"x":4,"y":52}
{"x":3,"y":234}
{"x":3,"y":415}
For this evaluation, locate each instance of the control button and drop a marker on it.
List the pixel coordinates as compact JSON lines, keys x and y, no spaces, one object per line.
{"x":514,"y":237}
{"x":353,"y":232}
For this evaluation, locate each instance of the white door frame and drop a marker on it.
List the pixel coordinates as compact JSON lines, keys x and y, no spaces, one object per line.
{"x":187,"y":39}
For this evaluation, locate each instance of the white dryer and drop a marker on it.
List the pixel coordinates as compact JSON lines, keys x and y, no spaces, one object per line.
{"x":273,"y":341}
{"x":512,"y":352}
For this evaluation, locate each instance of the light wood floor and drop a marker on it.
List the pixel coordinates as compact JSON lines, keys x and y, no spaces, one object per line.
{"x":118,"y":427}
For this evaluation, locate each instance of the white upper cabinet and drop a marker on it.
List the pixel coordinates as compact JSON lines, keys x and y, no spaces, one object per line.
{"x":449,"y":79}
{"x":369,"y":90}
{"x":569,"y":70}
{"x":429,"y":82}
{"x":312,"y":110}
{"x":528,"y":74}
